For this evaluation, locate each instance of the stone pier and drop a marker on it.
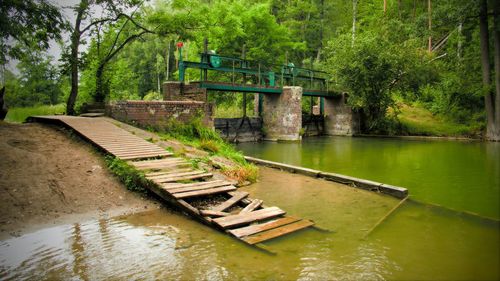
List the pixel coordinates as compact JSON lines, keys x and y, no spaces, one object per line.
{"x":340,"y":120}
{"x":282,"y":115}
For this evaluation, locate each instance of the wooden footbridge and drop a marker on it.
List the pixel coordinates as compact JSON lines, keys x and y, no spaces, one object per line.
{"x":176,"y":181}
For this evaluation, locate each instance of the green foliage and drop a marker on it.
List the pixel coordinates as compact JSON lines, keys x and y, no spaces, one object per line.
{"x":369,"y":70}
{"x":28,"y":23}
{"x":38,"y":83}
{"x":416,"y":120}
{"x":128,"y":175}
{"x":209,"y":145}
{"x":19,"y":114}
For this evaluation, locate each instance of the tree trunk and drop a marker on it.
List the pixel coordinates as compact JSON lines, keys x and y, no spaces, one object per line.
{"x":75,"y":43}
{"x":99,"y":89}
{"x":496,"y":38}
{"x":485,"y":63}
{"x":354,"y":12}
{"x":429,"y":10}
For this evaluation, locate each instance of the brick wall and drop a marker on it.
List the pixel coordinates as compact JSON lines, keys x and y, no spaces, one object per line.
{"x":177,"y":91}
{"x":158,"y":113}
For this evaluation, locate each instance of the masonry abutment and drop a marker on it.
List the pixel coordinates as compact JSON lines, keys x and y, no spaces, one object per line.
{"x":282,"y":115}
{"x":340,"y":119}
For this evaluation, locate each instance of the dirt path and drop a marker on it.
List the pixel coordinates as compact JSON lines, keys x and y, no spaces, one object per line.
{"x":47,"y":177}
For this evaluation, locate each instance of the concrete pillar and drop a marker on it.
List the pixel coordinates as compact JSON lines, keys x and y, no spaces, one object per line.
{"x":282,"y":115}
{"x":340,"y":120}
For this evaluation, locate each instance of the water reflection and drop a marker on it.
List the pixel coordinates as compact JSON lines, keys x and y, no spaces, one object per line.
{"x":416,"y":242}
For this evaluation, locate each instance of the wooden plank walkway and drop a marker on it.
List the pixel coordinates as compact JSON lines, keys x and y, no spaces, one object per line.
{"x":176,"y":181}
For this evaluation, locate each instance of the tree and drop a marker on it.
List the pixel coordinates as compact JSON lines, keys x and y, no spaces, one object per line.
{"x":83,"y":11}
{"x":30,"y":23}
{"x":120,"y":38}
{"x":38,"y":81}
{"x":492,"y":130}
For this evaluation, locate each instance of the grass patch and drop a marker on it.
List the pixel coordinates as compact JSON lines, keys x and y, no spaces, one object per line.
{"x":128,"y":175}
{"x":417,"y":120}
{"x":247,"y":172}
{"x":197,"y":135}
{"x":19,"y":114}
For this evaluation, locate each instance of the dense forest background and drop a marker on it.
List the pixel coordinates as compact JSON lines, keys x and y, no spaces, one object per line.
{"x":401,"y":61}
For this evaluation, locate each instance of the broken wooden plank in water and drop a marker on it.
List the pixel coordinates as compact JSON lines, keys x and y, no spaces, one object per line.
{"x":204,"y":192}
{"x":256,"y":228}
{"x":276,"y":232}
{"x":241,"y":219}
{"x":231,"y":201}
{"x":252,"y":206}
{"x":213,"y":213}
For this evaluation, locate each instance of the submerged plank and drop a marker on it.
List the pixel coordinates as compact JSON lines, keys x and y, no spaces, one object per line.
{"x":238,"y":196}
{"x":277,"y":232}
{"x":252,"y":206}
{"x":204,"y":192}
{"x":241,"y":219}
{"x":256,"y":228}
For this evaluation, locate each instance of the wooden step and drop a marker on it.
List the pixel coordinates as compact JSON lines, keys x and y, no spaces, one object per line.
{"x":277,"y":232}
{"x":204,"y":192}
{"x":140,"y":153}
{"x":158,"y":163}
{"x":256,"y":228}
{"x":171,"y":172}
{"x":242,"y":219}
{"x":165,"y":167}
{"x":200,"y":186}
{"x":252,"y":206}
{"x":180,"y":176}
{"x":214,"y":183}
{"x":212,"y":213}
{"x":238,"y":196}
{"x":142,"y":156}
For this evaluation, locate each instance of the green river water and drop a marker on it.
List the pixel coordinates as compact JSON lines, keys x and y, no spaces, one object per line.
{"x":417,"y":242}
{"x":460,"y":175}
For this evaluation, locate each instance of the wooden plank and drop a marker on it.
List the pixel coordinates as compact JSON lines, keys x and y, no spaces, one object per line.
{"x":195,"y":188}
{"x":177,"y":165}
{"x":212,"y":213}
{"x":238,"y":196}
{"x":215,"y":183}
{"x":171,"y":172}
{"x":241,"y":219}
{"x":204,"y":192}
{"x":134,"y":149}
{"x":164,"y":175}
{"x":256,"y":228}
{"x":277,"y":232}
{"x":252,"y":206}
{"x":141,"y":152}
{"x":156,"y":162}
{"x":182,"y":178}
{"x":189,"y":207}
{"x":137,"y":153}
{"x":136,"y":157}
